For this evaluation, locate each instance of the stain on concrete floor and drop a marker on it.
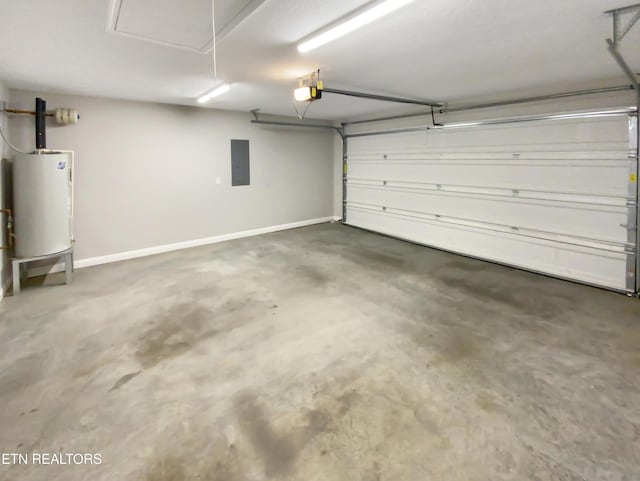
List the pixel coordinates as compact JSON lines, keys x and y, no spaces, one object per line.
{"x":174,"y":333}
{"x":323,"y":353}
{"x":124,"y":380}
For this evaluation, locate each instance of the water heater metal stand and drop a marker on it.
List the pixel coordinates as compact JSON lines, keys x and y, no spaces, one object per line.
{"x":19,"y":264}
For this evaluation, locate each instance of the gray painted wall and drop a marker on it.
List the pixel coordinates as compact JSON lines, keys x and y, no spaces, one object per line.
{"x":146,"y":173}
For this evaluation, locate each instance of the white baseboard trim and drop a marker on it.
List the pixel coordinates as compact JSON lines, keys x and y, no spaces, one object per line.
{"x":149,"y":251}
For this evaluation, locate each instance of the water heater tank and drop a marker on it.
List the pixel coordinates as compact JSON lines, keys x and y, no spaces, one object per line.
{"x":42,"y":203}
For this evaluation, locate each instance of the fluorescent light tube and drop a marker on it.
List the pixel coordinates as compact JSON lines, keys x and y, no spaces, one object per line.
{"x":219,"y":90}
{"x":368,"y":16}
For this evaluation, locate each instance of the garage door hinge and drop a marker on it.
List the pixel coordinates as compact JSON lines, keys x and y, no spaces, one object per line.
{"x":632,"y":155}
{"x":626,"y":226}
{"x":629,"y":250}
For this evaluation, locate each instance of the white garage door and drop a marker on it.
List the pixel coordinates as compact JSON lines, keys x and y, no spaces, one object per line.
{"x":556,"y":194}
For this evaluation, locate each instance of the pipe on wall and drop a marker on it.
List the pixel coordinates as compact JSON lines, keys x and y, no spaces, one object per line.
{"x":41,"y":126}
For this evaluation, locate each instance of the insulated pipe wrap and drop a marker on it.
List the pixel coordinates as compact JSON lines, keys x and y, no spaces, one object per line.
{"x":67,"y":116}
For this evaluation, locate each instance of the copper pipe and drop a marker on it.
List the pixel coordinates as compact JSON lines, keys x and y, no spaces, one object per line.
{"x":11,"y":235}
{"x":30,"y":112}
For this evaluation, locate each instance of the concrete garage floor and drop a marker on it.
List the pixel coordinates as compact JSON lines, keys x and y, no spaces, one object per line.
{"x":322,"y":353}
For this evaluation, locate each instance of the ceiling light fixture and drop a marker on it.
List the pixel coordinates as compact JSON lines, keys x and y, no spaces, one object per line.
{"x":368,"y":16}
{"x":302,"y":94}
{"x":219,"y":90}
{"x":309,"y":88}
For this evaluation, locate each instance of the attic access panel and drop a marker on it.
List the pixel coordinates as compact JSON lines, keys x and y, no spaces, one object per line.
{"x":184,"y":24}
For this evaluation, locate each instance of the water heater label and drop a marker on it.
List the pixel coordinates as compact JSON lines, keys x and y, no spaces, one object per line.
{"x":61,"y":165}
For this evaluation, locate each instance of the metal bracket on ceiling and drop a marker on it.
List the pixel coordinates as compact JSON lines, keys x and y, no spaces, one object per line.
{"x":256,"y":120}
{"x":619,"y":31}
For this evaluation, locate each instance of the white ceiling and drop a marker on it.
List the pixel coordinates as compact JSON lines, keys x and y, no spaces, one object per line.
{"x":442,"y":49}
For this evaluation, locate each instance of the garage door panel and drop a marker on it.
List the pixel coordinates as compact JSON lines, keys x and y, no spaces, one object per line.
{"x":572,"y":262}
{"x":603,"y":177}
{"x":571,"y":135}
{"x":554,"y":196}
{"x":600,"y":222}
